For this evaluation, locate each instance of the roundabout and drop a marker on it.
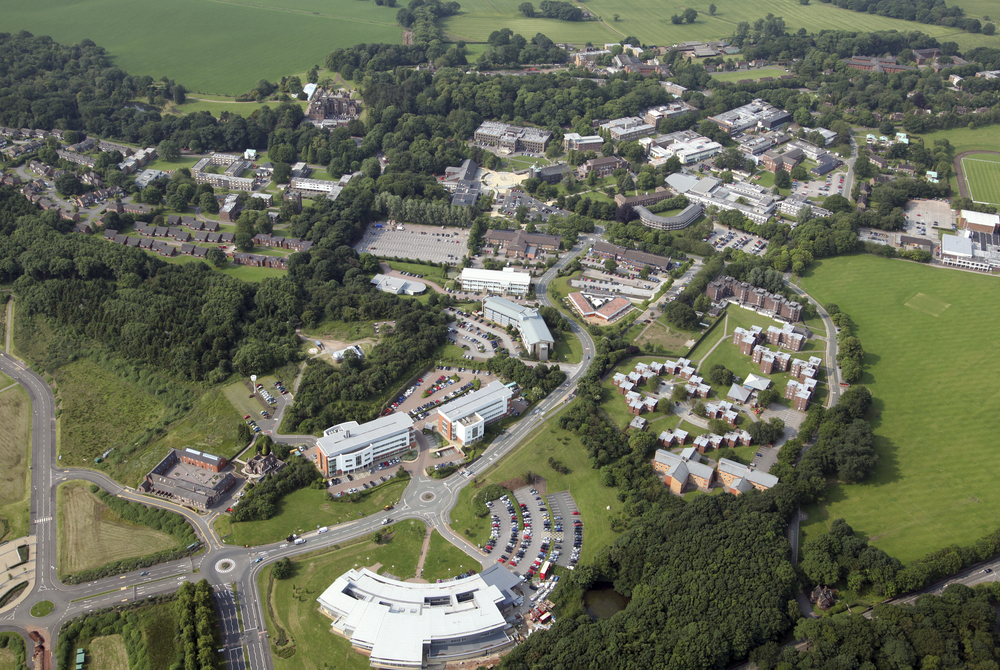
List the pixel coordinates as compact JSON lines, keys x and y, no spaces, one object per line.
{"x":427,"y":496}
{"x":42,"y":608}
{"x":225,"y":566}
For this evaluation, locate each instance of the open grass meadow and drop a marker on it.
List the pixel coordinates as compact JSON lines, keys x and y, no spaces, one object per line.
{"x":182,"y":39}
{"x":445,"y":560}
{"x":91,"y":534}
{"x":305,"y":510}
{"x":982,"y":175}
{"x":216,"y":105}
{"x":929,"y":337}
{"x":15,"y":455}
{"x":434,"y":273}
{"x":108,"y":653}
{"x":966,"y":139}
{"x":158,"y":623}
{"x":568,"y":348}
{"x":8,"y":661}
{"x":100,"y":410}
{"x":597,"y":503}
{"x":291,"y":603}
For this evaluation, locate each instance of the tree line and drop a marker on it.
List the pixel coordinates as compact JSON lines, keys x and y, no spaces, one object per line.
{"x":198,"y":627}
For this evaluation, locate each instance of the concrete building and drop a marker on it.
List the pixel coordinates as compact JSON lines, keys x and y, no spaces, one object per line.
{"x":758,"y":114}
{"x":189,"y":477}
{"x":519,"y":244}
{"x":410,"y":625}
{"x":577,"y":142}
{"x":351,"y":446}
{"x":794,"y":204}
{"x":397,"y":286}
{"x":465,"y":419}
{"x":685,"y":218}
{"x":671,"y":110}
{"x":708,"y":191}
{"x":602,"y":166}
{"x":495,"y":282}
{"x":530,"y":325}
{"x":509,"y":139}
{"x":738,"y":478}
{"x":628,"y":128}
{"x":979,"y":221}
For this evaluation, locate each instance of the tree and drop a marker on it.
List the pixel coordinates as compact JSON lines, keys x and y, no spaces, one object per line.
{"x":799,"y":173}
{"x":863,"y":167}
{"x":616,"y":17}
{"x":208,"y":203}
{"x":610,"y":264}
{"x":676,"y":20}
{"x":177,"y":202}
{"x":681,"y":315}
{"x":782,"y":179}
{"x":168,"y":149}
{"x":282,"y":173}
{"x":711,"y":9}
{"x":282,"y":569}
{"x":67,"y":184}
{"x":216,"y":257}
{"x":690,"y":14}
{"x":679,"y":394}
{"x":719,"y":375}
{"x":989,"y":29}
{"x":642,"y":444}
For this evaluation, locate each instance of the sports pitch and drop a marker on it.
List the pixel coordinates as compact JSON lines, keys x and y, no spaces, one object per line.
{"x":930,"y":337}
{"x":982,"y":176}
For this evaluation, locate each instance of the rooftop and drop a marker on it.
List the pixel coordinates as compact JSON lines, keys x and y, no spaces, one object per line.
{"x":530,"y":322}
{"x":350,"y":436}
{"x":473,"y":402}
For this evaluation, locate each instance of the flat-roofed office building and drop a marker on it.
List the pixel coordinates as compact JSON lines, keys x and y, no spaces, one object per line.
{"x":466,"y":418}
{"x":351,"y":446}
{"x":495,"y":282}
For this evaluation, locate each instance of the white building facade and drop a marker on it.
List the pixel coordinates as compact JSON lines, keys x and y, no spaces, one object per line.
{"x":351,"y":446}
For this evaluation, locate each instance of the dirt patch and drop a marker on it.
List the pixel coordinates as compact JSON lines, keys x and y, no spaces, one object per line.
{"x":658,"y":334}
{"x":518,"y":482}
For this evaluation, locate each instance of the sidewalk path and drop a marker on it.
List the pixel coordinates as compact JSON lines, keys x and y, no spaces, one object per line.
{"x":423,"y":552}
{"x":725,"y":327}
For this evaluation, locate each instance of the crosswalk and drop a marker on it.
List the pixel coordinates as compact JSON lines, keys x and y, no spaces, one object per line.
{"x":43,"y":519}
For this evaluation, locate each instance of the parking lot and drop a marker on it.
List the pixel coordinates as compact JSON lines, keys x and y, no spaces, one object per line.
{"x":821,"y":186}
{"x":565,"y":515}
{"x":536,"y":208}
{"x":924,"y":216}
{"x":473,"y":332}
{"x":427,"y":243}
{"x":411,"y":404}
{"x":722,"y":237}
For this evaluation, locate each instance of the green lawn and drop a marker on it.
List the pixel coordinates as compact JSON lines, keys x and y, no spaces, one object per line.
{"x":171,"y":164}
{"x":584,"y":483}
{"x":965,"y":139}
{"x":928,"y":335}
{"x":982,"y":175}
{"x":568,"y":348}
{"x":445,"y":560}
{"x":740,"y":75}
{"x":157,"y":624}
{"x":215,"y":105}
{"x":308,"y":509}
{"x":181,"y":39}
{"x":433,"y":273}
{"x":293,"y":600}
{"x":15,"y":455}
{"x":341,"y":330}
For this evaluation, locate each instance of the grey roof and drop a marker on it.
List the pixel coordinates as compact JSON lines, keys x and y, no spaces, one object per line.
{"x":682,"y":183}
{"x":739,"y":470}
{"x":738,"y":392}
{"x":474,"y":401}
{"x":956,"y":245}
{"x":350,"y":436}
{"x":530,"y":322}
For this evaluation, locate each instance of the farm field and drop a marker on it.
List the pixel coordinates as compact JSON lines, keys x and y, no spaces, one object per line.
{"x":650,"y":21}
{"x":100,"y":410}
{"x":91,"y":534}
{"x":929,"y":349}
{"x":293,"y":600}
{"x":180,"y":39}
{"x":15,"y":455}
{"x":583,"y":482}
{"x":305,"y":510}
{"x":982,"y":175}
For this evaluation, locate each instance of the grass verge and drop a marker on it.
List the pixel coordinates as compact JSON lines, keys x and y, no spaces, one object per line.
{"x":15,"y":456}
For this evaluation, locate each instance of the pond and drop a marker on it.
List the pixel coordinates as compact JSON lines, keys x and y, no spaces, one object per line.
{"x":604,"y":602}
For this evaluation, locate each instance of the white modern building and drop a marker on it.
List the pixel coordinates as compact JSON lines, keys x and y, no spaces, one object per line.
{"x":465,"y":419}
{"x":351,"y":446}
{"x":398,"y":286}
{"x":495,"y":282}
{"x":529,"y":323}
{"x":408,"y":625}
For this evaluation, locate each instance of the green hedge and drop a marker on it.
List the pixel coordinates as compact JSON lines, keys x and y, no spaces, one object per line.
{"x":15,"y":643}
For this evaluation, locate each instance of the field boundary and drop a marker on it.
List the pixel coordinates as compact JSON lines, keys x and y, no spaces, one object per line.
{"x":958,"y":164}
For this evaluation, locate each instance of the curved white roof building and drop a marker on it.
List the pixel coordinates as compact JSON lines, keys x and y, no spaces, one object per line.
{"x":410,"y":625}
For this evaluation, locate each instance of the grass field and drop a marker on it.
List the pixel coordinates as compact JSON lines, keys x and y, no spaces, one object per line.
{"x":927,"y":357}
{"x":584,"y":483}
{"x":754,"y":75}
{"x":965,"y":139}
{"x":433,"y":273}
{"x":445,"y":560}
{"x":341,"y":330}
{"x":8,"y":661}
{"x":215,"y":105}
{"x":673,"y":341}
{"x":982,"y":175}
{"x":305,"y":510}
{"x":181,"y":39}
{"x":108,"y":653}
{"x":293,"y":600}
{"x":91,"y":534}
{"x":99,"y":411}
{"x":15,"y":455}
{"x":568,"y":349}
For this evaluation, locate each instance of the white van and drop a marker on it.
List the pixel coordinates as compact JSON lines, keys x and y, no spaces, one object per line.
{"x":322,"y":530}
{"x":300,"y":540}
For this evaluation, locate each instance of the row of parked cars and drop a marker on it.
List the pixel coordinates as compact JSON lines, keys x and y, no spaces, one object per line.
{"x":495,"y":527}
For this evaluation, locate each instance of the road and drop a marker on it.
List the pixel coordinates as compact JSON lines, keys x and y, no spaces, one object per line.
{"x":833,"y":378}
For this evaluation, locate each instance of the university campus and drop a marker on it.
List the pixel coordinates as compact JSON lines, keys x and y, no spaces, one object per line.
{"x":457,"y":335}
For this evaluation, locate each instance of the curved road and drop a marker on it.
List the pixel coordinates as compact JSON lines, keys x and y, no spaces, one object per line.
{"x":426,"y":499}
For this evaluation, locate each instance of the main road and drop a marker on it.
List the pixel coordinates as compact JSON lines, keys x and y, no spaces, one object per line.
{"x":232,"y":571}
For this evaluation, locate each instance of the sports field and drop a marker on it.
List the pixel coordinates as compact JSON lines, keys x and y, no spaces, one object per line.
{"x":740,"y":75}
{"x":982,"y":176}
{"x":930,"y":336}
{"x":92,"y":535}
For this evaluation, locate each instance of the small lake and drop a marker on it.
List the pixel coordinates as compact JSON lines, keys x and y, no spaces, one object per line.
{"x":604,"y":603}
